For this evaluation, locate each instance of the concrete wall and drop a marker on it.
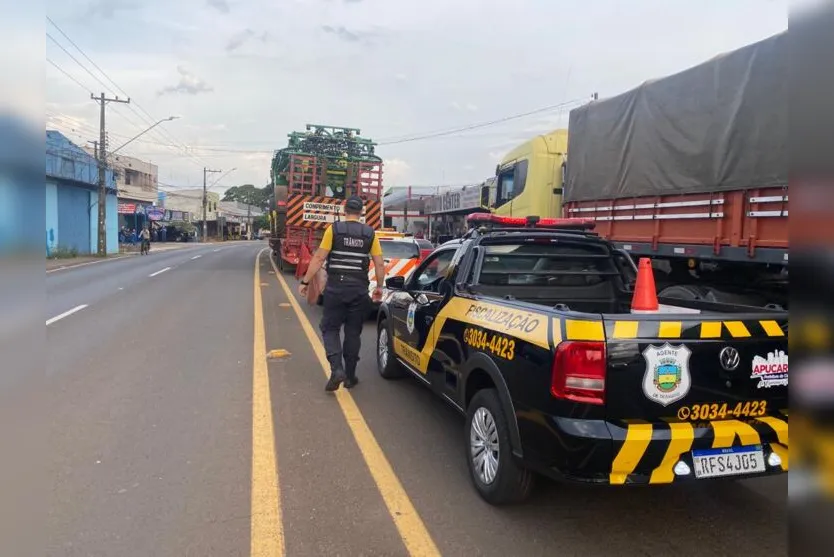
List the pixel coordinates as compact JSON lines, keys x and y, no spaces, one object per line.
{"x":191,"y":200}
{"x":112,"y":220}
{"x":143,"y":177}
{"x":53,"y":239}
{"x":72,"y":219}
{"x":72,"y":198}
{"x":67,"y":161}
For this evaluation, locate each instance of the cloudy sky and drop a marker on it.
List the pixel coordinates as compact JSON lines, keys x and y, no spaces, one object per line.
{"x":241,"y":74}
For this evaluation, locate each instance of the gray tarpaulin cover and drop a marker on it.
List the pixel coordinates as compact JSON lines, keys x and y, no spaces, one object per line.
{"x":722,"y":125}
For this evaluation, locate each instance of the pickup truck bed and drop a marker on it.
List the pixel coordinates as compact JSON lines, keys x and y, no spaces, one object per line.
{"x":573,"y":385}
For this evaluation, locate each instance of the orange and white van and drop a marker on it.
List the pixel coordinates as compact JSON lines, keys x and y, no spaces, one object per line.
{"x":401,"y":256}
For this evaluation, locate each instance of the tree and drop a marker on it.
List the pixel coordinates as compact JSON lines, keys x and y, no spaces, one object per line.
{"x":249,"y":194}
{"x":261,"y":223}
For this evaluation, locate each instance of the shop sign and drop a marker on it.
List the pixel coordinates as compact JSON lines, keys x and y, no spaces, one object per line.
{"x":127,"y":208}
{"x":463,"y":199}
{"x":155,"y":213}
{"x":470,"y":197}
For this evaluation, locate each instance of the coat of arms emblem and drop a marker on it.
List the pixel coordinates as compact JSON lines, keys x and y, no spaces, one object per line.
{"x":667,"y":377}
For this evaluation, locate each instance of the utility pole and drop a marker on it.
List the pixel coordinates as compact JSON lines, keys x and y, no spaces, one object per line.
{"x":102,"y":168}
{"x":205,"y":201}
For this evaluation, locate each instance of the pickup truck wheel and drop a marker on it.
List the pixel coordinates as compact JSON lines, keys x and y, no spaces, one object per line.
{"x":496,"y":476}
{"x":386,"y":362}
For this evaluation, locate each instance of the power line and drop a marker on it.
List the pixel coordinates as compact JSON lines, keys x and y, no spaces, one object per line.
{"x":161,"y":132}
{"x":83,"y":67}
{"x":66,"y":73}
{"x":430,"y":135}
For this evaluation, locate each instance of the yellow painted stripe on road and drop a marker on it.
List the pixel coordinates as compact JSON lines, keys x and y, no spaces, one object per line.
{"x":410,"y":526}
{"x":682,"y":436}
{"x":267,"y":528}
{"x":635,"y":445}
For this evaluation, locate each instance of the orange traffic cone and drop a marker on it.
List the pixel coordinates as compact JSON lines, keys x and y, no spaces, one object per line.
{"x":645,"y":292}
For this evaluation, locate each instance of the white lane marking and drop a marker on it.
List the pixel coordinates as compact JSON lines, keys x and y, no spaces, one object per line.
{"x":65,"y":314}
{"x":216,"y":250}
{"x":160,"y":272}
{"x":196,"y":257}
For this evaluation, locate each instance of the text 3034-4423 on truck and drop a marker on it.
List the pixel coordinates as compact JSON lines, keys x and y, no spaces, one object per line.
{"x":528,"y":330}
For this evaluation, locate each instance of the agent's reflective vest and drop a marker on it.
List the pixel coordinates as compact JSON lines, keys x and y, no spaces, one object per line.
{"x":350,"y":252}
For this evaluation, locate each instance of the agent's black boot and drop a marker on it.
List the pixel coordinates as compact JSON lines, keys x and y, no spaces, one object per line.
{"x":337,"y":377}
{"x":350,"y":372}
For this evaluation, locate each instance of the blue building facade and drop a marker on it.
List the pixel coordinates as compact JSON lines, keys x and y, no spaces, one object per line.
{"x":72,"y":199}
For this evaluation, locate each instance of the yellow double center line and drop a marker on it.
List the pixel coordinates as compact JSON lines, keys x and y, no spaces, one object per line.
{"x":269,"y":539}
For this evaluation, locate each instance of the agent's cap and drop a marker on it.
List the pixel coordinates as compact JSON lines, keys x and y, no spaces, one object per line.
{"x":355,"y":204}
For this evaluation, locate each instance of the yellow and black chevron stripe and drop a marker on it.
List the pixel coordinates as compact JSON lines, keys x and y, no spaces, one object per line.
{"x":647,"y":453}
{"x":295,"y":211}
{"x":690,"y":329}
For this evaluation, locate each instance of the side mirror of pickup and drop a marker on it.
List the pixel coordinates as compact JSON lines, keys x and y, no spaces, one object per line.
{"x":395,"y":283}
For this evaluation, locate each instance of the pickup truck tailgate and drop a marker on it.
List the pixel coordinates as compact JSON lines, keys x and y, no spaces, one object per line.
{"x":696,"y":370}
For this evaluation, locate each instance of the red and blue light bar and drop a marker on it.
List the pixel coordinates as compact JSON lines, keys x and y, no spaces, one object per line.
{"x":476,"y":219}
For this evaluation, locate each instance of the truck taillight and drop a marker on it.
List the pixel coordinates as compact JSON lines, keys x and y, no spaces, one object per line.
{"x":579,"y":372}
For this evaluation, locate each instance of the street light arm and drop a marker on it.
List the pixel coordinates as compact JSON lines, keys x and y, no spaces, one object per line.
{"x":135,"y":137}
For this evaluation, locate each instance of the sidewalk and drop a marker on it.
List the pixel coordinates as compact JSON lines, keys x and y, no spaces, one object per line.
{"x":127,"y":251}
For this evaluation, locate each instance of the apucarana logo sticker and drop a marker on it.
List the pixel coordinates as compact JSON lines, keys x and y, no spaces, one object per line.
{"x":667,"y":377}
{"x":771,"y":372}
{"x":409,"y":320}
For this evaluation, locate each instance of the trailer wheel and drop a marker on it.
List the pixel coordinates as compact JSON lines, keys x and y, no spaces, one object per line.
{"x":683,"y":292}
{"x":708,"y":294}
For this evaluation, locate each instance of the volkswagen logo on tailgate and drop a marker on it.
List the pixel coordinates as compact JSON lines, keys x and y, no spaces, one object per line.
{"x":729,"y":358}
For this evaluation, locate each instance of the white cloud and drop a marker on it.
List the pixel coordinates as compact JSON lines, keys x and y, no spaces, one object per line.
{"x":108,"y":9}
{"x":239,"y":39}
{"x":396,"y":172}
{"x":468,"y":107}
{"x":392,"y":69}
{"x":221,"y":6}
{"x":188,"y":84}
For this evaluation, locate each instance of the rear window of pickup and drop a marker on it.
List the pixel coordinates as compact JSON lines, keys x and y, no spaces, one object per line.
{"x":546,"y":264}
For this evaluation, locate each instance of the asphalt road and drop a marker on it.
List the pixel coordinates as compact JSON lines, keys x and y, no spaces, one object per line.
{"x":170,"y":433}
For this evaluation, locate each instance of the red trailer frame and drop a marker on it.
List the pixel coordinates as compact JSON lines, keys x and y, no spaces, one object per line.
{"x":735,"y":226}
{"x":309,"y":211}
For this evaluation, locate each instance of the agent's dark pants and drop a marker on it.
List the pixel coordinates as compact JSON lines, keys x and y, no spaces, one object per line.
{"x":344,"y":304}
